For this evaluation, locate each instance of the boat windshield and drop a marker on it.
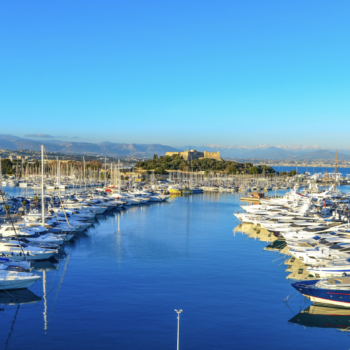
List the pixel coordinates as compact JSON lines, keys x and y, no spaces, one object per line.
{"x":23,"y":245}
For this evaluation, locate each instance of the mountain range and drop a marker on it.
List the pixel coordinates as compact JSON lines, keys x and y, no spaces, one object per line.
{"x":274,"y":152}
{"x":111,"y":149}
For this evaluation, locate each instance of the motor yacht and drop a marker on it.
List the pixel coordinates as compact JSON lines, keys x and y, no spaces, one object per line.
{"x":10,"y":280}
{"x":20,"y":251}
{"x":334,"y":291}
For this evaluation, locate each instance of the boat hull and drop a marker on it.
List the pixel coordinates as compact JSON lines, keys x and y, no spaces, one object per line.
{"x":20,"y":257}
{"x":338,"y":297}
{"x":9,"y":284}
{"x":325,"y":273}
{"x":174,"y":191}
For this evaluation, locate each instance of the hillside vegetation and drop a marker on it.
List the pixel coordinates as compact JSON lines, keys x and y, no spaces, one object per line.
{"x":6,"y":167}
{"x":175,"y":162}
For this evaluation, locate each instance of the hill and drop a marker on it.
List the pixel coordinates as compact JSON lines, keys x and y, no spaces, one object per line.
{"x":160,"y":165}
{"x":105,"y":148}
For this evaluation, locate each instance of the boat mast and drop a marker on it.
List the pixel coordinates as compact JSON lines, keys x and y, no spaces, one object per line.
{"x":84,"y":173}
{"x":57,"y":181}
{"x":335,"y":170}
{"x":118,"y":176}
{"x":0,"y":174}
{"x":42,"y":187}
{"x":105,"y":172}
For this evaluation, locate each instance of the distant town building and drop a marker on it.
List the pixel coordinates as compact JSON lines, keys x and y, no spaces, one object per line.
{"x":193,"y":154}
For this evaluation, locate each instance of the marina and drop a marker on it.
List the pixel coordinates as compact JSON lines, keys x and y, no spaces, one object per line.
{"x":109,"y":270}
{"x":174,"y":175}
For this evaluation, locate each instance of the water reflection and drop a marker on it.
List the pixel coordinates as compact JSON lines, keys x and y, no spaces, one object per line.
{"x":97,"y":240}
{"x":323,"y":317}
{"x":18,"y":297}
{"x":255,"y":232}
{"x":314,"y":315}
{"x":44,"y":265}
{"x":295,"y":268}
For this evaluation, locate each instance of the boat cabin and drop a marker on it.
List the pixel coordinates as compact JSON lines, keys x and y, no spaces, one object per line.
{"x":257,"y":195}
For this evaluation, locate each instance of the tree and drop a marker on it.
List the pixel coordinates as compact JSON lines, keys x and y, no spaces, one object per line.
{"x":155,"y":156}
{"x":94,"y":164}
{"x":159,"y":170}
{"x":24,"y":204}
{"x":232,"y":169}
{"x":254,"y":170}
{"x":6,"y":166}
{"x":7,"y":208}
{"x":176,"y":162}
{"x":293,"y":173}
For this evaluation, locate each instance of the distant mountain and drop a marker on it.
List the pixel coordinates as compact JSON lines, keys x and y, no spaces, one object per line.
{"x":274,"y":152}
{"x":147,"y":150}
{"x":269,"y":153}
{"x":105,"y":148}
{"x":324,"y":154}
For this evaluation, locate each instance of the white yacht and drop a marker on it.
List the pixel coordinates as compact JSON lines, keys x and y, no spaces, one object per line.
{"x":21,"y":251}
{"x":331,"y":268}
{"x":16,"y":280}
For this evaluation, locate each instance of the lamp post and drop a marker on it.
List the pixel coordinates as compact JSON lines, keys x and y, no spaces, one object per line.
{"x":178,"y":327}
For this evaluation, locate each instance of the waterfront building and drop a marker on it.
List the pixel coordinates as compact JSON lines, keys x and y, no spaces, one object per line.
{"x":192,"y":154}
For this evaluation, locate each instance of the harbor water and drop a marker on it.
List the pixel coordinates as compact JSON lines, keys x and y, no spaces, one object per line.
{"x":117,"y":285}
{"x":313,"y":170}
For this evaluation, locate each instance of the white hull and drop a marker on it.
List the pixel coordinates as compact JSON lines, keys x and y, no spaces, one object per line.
{"x":328,"y":274}
{"x":18,"y":284}
{"x":326,"y":301}
{"x":155,"y":199}
{"x":16,"y":256}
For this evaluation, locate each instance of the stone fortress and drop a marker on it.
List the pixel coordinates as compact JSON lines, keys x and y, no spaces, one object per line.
{"x":192,"y":154}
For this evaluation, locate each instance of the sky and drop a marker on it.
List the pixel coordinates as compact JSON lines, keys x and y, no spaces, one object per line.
{"x":177,"y":72}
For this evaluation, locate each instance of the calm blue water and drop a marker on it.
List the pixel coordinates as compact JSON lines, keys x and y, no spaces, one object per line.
{"x":312,"y":170}
{"x":118,"y":285}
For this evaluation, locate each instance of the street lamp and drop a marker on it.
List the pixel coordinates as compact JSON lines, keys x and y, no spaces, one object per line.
{"x":178,"y":326}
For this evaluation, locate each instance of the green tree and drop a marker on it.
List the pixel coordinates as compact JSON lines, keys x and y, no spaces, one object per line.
{"x":176,"y":162}
{"x":232,"y":169}
{"x":159,"y":170}
{"x":254,"y":170}
{"x":7,"y":208}
{"x":6,"y":166}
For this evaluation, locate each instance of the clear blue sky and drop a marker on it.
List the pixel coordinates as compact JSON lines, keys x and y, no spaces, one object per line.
{"x":177,"y":72}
